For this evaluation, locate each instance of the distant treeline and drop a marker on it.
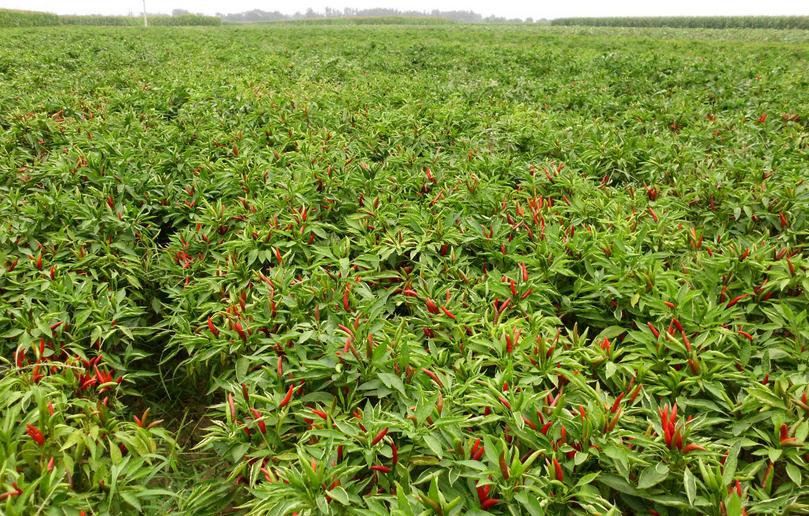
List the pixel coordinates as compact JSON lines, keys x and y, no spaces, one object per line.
{"x":161,"y":20}
{"x":258,"y":15}
{"x":9,"y":18}
{"x":694,"y":22}
{"x":356,"y":20}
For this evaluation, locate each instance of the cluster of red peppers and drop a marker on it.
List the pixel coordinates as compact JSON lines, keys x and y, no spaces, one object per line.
{"x":674,"y":432}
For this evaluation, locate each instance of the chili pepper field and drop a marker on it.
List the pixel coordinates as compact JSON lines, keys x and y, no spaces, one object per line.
{"x":411,"y":270}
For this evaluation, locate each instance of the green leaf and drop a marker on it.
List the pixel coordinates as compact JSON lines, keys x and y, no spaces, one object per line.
{"x":766,"y":396}
{"x":652,"y":475}
{"x":690,"y":483}
{"x":530,"y":502}
{"x":609,"y":332}
{"x":434,"y":445}
{"x":611,"y":369}
{"x":339,"y":494}
{"x":115,"y":454}
{"x":242,"y":364}
{"x":618,"y":453}
{"x":131,"y":500}
{"x":392,"y":381}
{"x":734,"y":505}
{"x":586,"y":479}
{"x":619,"y":484}
{"x":729,"y":471}
{"x":794,"y":474}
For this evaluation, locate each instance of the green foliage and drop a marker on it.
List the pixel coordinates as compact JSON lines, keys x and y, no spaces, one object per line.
{"x":183,"y":20}
{"x":66,"y":446}
{"x":402,"y":270}
{"x":357,"y":20}
{"x":693,"y":22}
{"x":9,"y":18}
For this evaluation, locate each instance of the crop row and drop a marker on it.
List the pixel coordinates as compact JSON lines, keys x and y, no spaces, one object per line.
{"x":11,"y":18}
{"x":693,"y":22}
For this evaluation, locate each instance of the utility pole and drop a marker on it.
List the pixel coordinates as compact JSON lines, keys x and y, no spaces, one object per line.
{"x":145,"y":23}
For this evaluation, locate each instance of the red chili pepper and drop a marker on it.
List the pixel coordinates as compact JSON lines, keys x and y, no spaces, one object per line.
{"x":744,"y":255}
{"x":346,"y":305}
{"x":382,"y":469}
{"x":489,"y":503}
{"x":380,"y":436}
{"x":635,"y":393}
{"x":654,"y":331}
{"x":35,"y":434}
{"x":654,"y":216}
{"x":262,"y":427}
{"x":504,"y":402}
{"x":232,"y":405}
{"x":288,"y":397}
{"x":15,"y":492}
{"x":346,"y":329}
{"x":529,"y":423}
{"x":691,"y":447}
{"x":560,"y":475}
{"x":449,"y":314}
{"x":617,"y":403}
{"x":670,"y":305}
{"x":686,"y":342}
{"x":736,"y":300}
{"x":240,"y":331}
{"x":475,"y":448}
{"x":766,"y":475}
{"x":433,"y":376}
{"x":431,"y":306}
{"x":481,"y":494}
{"x":746,"y":335}
{"x":395,"y":458}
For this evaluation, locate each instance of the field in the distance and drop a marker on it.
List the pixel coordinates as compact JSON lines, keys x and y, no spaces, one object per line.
{"x":450,"y":269}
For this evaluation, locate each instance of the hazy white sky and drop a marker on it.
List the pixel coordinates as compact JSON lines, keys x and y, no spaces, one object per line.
{"x":507,"y":8}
